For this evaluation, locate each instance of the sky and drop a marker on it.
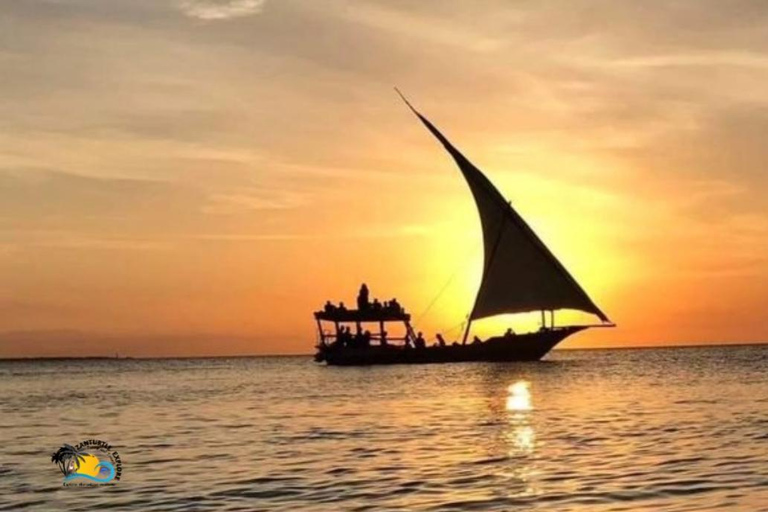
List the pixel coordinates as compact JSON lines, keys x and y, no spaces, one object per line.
{"x":196,"y":177}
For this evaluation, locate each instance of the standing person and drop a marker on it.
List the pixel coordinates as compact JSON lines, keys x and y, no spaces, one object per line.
{"x":362,"y":298}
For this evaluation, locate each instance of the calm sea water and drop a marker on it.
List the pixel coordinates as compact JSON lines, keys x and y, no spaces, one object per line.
{"x":672,"y":429}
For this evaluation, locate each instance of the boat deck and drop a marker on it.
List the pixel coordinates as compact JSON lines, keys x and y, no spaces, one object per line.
{"x":362,"y":315}
{"x":522,"y":347}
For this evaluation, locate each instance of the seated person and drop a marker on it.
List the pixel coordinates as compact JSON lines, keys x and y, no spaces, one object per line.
{"x":350,"y":339}
{"x":342,"y":307}
{"x":476,"y":341}
{"x":440,"y":340}
{"x":384,"y":341}
{"x":329,"y":307}
{"x":376,"y":305}
{"x":509,"y":333}
{"x":366,"y":339}
{"x":358,"y":341}
{"x":419,"y":342}
{"x":341,"y":337}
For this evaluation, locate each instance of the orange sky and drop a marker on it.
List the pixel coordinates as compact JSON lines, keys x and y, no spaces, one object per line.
{"x":196,"y":177}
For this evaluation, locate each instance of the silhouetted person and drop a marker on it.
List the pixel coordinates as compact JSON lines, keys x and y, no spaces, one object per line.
{"x":342,"y":307}
{"x":476,"y":341}
{"x":349,"y":338}
{"x":384,"y":341}
{"x":376,"y":305}
{"x":440,"y":340}
{"x":395,"y":306}
{"x":329,"y":307}
{"x":357,"y":341}
{"x":419,"y":342}
{"x":362,"y":298}
{"x":509,"y":333}
{"x":366,"y":339}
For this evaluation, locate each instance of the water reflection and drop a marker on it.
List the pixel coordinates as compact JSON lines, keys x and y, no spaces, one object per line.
{"x":519,"y":398}
{"x":520,"y":437}
{"x":278,"y":434}
{"x":523,"y":439}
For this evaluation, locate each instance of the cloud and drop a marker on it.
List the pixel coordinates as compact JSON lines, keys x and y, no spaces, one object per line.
{"x":220,"y":9}
{"x":699,"y":59}
{"x":230,"y":203}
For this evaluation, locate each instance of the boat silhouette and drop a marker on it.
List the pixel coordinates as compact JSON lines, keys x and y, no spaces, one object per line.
{"x":520,"y":275}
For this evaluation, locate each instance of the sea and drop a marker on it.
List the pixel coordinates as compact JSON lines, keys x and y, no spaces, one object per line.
{"x":673,"y":429}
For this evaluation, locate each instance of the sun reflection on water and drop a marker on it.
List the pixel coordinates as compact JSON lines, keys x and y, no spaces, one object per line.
{"x":519,"y":398}
{"x":520,"y":438}
{"x":521,"y":434}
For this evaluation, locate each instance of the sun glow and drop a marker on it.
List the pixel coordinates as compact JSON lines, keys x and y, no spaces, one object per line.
{"x":575,"y":231}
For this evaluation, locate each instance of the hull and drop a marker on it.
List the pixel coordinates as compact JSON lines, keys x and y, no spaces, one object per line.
{"x":521,"y":347}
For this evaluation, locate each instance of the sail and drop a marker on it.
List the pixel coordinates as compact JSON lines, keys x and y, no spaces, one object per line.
{"x":520,"y":273}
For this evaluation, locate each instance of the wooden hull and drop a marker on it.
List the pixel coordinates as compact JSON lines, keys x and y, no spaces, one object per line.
{"x":522,"y":347}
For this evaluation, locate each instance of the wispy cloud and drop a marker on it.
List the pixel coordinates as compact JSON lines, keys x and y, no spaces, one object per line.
{"x":231,"y":203}
{"x":380,"y":231}
{"x":716,"y":58}
{"x":220,"y":9}
{"x":67,"y":239}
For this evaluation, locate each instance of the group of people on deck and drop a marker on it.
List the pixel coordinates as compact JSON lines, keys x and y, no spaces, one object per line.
{"x":362,"y":339}
{"x":365,"y":304}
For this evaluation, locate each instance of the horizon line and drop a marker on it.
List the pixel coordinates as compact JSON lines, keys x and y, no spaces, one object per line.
{"x":246,"y":356}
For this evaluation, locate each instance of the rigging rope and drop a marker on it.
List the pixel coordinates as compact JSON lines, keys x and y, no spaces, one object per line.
{"x":459,"y":326}
{"x":463,"y":264}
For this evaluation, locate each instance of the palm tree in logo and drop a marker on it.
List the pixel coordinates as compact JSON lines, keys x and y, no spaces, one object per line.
{"x":68,"y":458}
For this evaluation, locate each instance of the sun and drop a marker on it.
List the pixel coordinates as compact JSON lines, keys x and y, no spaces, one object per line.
{"x":88,"y":465}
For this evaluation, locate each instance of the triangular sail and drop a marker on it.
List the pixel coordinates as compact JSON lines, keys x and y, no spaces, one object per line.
{"x":520,"y":273}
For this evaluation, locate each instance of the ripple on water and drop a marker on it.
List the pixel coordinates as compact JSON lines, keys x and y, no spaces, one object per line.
{"x":669,"y":430}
